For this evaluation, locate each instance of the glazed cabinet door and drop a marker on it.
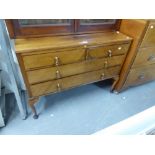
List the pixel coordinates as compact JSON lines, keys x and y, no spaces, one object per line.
{"x":33,"y":27}
{"x":96,"y":24}
{"x":23,"y":28}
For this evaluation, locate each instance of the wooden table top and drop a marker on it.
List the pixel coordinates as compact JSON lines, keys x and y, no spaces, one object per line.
{"x":44,"y":43}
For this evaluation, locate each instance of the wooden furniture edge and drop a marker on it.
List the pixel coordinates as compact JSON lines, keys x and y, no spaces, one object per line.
{"x":124,"y":28}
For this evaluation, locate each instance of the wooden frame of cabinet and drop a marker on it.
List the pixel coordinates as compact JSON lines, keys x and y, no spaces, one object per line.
{"x":18,"y":31}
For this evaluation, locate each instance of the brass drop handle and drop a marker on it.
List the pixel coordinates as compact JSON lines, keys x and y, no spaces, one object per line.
{"x":151,"y":58}
{"x":58,"y":87}
{"x":109,"y":53}
{"x":105,"y":64}
{"x":56,"y":61}
{"x":102,"y":76}
{"x":87,"y":55}
{"x":85,"y":46}
{"x":58,"y":76}
{"x":141,"y":76}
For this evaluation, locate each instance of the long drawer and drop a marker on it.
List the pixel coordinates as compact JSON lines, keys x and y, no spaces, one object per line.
{"x":141,"y":75}
{"x":145,"y":56}
{"x":149,"y":38}
{"x":73,"y":81}
{"x":36,"y":60}
{"x":52,"y":73}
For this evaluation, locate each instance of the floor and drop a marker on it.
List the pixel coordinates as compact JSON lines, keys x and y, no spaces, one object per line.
{"x":82,"y":111}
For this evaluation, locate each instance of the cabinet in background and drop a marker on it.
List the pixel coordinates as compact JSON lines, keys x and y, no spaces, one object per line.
{"x":139,"y":66}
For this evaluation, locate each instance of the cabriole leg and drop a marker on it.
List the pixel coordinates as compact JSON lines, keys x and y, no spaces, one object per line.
{"x":31,"y":103}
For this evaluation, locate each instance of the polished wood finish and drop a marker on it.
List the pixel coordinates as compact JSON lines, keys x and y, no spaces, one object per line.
{"x":48,"y":58}
{"x":145,"y":56}
{"x":141,"y":75}
{"x":141,"y":55}
{"x":135,"y":29}
{"x":107,"y":51}
{"x":53,"y":58}
{"x":52,"y":73}
{"x":54,"y":64}
{"x":149,"y":38}
{"x":73,"y":81}
{"x":29,"y":45}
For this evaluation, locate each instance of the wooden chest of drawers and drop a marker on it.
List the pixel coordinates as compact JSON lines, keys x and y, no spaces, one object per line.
{"x":141,"y":75}
{"x":54,"y":64}
{"x":139,"y":66}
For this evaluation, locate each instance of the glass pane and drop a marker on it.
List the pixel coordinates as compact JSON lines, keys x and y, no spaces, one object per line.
{"x":96,"y":21}
{"x":44,"y":22}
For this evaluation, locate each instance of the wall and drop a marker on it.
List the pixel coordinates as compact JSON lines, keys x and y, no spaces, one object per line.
{"x":8,"y":62}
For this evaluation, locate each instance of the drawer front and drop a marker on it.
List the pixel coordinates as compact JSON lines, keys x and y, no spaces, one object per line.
{"x":52,"y":73}
{"x":141,"y":75}
{"x":53,"y":58}
{"x":145,"y":56}
{"x":42,"y":59}
{"x":73,"y":81}
{"x":107,"y":51}
{"x":149,"y":38}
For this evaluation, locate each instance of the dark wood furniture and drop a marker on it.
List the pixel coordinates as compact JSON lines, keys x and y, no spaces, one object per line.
{"x":139,"y":66}
{"x":46,"y":27}
{"x":56,"y":63}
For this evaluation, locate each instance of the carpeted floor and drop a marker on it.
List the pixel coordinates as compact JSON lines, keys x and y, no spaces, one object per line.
{"x":82,"y":111}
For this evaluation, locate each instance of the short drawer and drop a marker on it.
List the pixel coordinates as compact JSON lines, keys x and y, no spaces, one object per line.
{"x":53,"y":58}
{"x":145,"y":56}
{"x":107,"y":51}
{"x":52,"y":73}
{"x":73,"y":81}
{"x":149,"y":38}
{"x":141,"y":75}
